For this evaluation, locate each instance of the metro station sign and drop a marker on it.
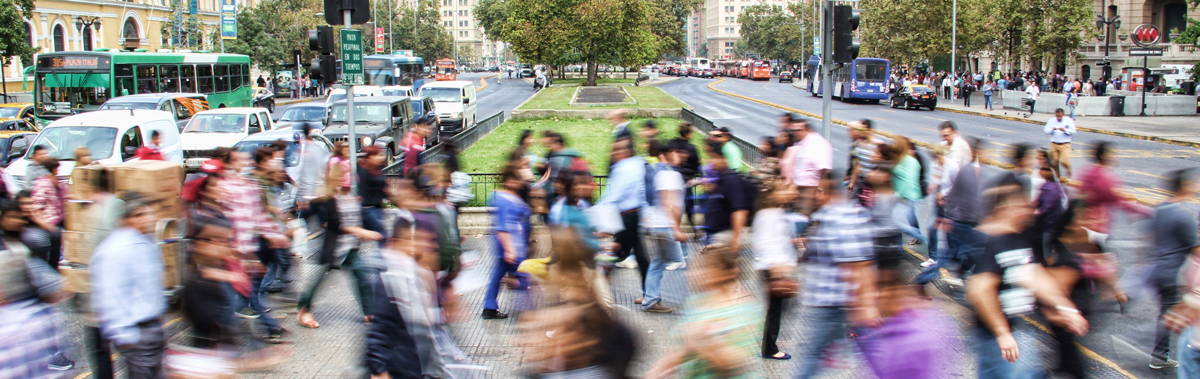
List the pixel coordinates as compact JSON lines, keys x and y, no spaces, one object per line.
{"x":1146,"y":35}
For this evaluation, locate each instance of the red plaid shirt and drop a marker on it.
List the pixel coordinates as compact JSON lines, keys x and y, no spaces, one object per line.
{"x":248,"y":215}
{"x":49,"y":196}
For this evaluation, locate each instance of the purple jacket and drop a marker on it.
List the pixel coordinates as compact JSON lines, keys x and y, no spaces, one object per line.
{"x":1049,"y":205}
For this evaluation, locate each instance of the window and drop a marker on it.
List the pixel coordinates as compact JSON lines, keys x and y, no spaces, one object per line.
{"x":124,"y":74}
{"x":60,"y":38}
{"x":221,"y":77}
{"x":1174,"y":19}
{"x":168,"y":75}
{"x":729,"y":8}
{"x":245,"y":74}
{"x":87,"y":38}
{"x":147,"y":78}
{"x":130,"y":30}
{"x":728,"y":51}
{"x":187,"y":78}
{"x":729,"y":29}
{"x":130,"y":142}
{"x":255,"y":126}
{"x":462,"y":2}
{"x":446,"y":3}
{"x":729,"y":44}
{"x":447,"y":23}
{"x":204,"y":80}
{"x":181,"y":111}
{"x":462,"y":12}
{"x":464,"y":23}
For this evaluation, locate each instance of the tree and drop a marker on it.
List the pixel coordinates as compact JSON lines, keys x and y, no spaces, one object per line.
{"x":1190,"y":35}
{"x":272,"y":29}
{"x":421,"y":30}
{"x":905,"y":31}
{"x":668,"y":20}
{"x":14,"y":39}
{"x":1056,"y":28}
{"x":774,"y":32}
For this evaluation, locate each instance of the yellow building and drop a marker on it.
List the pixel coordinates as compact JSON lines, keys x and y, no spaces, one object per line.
{"x":81,"y":25}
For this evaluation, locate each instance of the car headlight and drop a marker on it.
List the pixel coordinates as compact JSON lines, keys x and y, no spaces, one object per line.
{"x":366,"y":141}
{"x":456,"y":115}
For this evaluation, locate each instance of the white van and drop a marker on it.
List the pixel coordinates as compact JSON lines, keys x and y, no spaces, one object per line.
{"x":359,"y":91}
{"x":112,"y":136}
{"x":222,"y":127}
{"x":455,"y":103}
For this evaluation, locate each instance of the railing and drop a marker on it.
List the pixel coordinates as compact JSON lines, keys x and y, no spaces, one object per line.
{"x":750,"y":152}
{"x":483,"y":185}
{"x":463,"y":140}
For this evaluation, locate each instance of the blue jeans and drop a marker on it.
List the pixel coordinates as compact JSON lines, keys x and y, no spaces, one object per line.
{"x":961,"y":236}
{"x":662,"y":248}
{"x":987,"y":101}
{"x":826,"y":326}
{"x":255,"y":303}
{"x":991,"y":364}
{"x":905,"y":215}
{"x":372,"y":219}
{"x":1189,"y":356}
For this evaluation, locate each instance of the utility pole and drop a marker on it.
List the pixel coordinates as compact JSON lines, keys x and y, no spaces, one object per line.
{"x":826,"y":60}
{"x":953,"y":37}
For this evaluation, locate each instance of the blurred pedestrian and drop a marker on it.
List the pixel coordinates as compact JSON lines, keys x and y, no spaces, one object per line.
{"x":730,"y":199}
{"x":560,"y":159}
{"x":1173,"y":236}
{"x":627,"y":192}
{"x":806,"y":162}
{"x":255,"y":233}
{"x":719,"y":330}
{"x":864,"y":149}
{"x":839,"y":274}
{"x":690,"y":168}
{"x":339,"y":162}
{"x":510,"y":239}
{"x":29,"y":324}
{"x":775,"y":260}
{"x":1061,"y":130}
{"x":911,"y":340}
{"x":907,"y":176}
{"x":960,"y":201}
{"x":127,"y":284}
{"x":661,"y":233}
{"x":1099,"y":188}
{"x":371,"y":187}
{"x":83,"y":156}
{"x":619,"y":118}
{"x":35,"y":169}
{"x":153,"y":150}
{"x":311,"y":168}
{"x":732,"y":153}
{"x":414,"y":143}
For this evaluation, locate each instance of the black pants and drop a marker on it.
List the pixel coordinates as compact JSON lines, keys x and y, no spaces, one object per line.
{"x":144,"y":359}
{"x":775,"y":308}
{"x":689,"y":205}
{"x":966,"y":98}
{"x":1168,"y":297}
{"x":1070,"y":361}
{"x":631,"y":243}
{"x":100,"y":354}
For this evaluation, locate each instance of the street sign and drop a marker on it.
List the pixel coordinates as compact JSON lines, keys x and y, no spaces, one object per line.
{"x":403,"y":53}
{"x":378,"y":40}
{"x":1146,"y":52}
{"x":228,"y":19}
{"x":352,"y":68}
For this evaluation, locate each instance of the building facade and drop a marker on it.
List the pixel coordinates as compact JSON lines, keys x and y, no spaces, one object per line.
{"x":471,"y":46}
{"x":1170,"y":16}
{"x":714,"y":25}
{"x":83,"y":25}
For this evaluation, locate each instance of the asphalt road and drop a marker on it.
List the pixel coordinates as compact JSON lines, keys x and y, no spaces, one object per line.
{"x":1118,"y":339}
{"x":504,"y":96}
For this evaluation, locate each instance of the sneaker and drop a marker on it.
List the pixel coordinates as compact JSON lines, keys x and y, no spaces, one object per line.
{"x":492,"y":314}
{"x":247,"y":313}
{"x":628,"y":263}
{"x":1159,"y":364}
{"x":606,"y":257}
{"x":59,"y":362}
{"x":658,"y":308}
{"x":277,"y":336}
{"x":953,"y":281}
{"x":928,"y":263}
{"x":676,"y":265}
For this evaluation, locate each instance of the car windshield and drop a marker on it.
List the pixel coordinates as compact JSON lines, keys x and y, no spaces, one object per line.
{"x":11,"y":112}
{"x":921,"y":90}
{"x":291,"y":157}
{"x":129,"y":105}
{"x":335,"y":97}
{"x":363,"y":113}
{"x":394,"y":92}
{"x":216,"y":123}
{"x":303,"y":114}
{"x":62,"y":141}
{"x":442,"y":95}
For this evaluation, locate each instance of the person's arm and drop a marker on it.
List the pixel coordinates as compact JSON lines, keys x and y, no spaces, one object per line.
{"x":1048,"y":129}
{"x":1069,"y":127}
{"x":862,"y":274}
{"x":983,"y":291}
{"x":507,"y":220}
{"x":670,"y":200}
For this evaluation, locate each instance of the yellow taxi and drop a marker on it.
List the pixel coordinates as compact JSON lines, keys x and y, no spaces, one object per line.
{"x":13,"y":144}
{"x":16,"y":110}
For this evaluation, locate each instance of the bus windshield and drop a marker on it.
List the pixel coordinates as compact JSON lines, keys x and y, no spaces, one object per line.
{"x":442,"y":95}
{"x":72,"y":91}
{"x":873,"y":71}
{"x":62,"y":141}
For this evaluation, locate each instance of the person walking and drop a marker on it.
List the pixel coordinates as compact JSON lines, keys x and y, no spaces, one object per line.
{"x":371,"y":188}
{"x":863,"y":158}
{"x":1032,"y":93}
{"x":775,"y":259}
{"x":806,"y":162}
{"x":727,"y":208}
{"x":690,"y":168}
{"x":662,"y":233}
{"x":907,"y":177}
{"x":29,"y":323}
{"x":968,"y":87}
{"x":413,"y":143}
{"x":959,"y":149}
{"x":1173,"y":236}
{"x":126,"y":284}
{"x":1061,"y":130}
{"x":1099,"y":188}
{"x":947,"y":84}
{"x":510,"y":239}
{"x":960,"y":198}
{"x":153,"y":150}
{"x":733,"y":154}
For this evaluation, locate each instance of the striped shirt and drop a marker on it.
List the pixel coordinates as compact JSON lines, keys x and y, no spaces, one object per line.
{"x":841,"y":234}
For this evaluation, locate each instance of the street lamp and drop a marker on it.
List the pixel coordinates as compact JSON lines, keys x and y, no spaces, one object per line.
{"x":88,"y":22}
{"x":1109,"y":23}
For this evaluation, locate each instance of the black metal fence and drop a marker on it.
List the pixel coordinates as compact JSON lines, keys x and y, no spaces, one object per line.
{"x":483,"y":185}
{"x":463,"y":139}
{"x":750,"y":152}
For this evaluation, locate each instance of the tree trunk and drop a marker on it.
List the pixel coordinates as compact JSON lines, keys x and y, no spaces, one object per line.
{"x":591,"y":72}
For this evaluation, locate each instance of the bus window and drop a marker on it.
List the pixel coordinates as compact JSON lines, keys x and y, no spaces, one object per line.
{"x":235,"y":76}
{"x":187,"y":78}
{"x":147,"y":78}
{"x":221,"y":77}
{"x":204,"y":79}
{"x":124,"y":75}
{"x":245,"y":74}
{"x":168,"y":75}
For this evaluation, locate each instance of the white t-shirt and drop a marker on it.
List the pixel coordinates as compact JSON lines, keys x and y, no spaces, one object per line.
{"x":1032,"y":92}
{"x":656,"y":216}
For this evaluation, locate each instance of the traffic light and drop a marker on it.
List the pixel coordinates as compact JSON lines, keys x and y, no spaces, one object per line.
{"x":323,"y":68}
{"x":845,"y":45}
{"x":321,"y":40}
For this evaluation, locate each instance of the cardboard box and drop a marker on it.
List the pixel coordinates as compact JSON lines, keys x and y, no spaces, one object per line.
{"x":80,"y":185}
{"x":76,"y":215}
{"x":156,"y":179}
{"x":76,"y":279}
{"x":170,"y":208}
{"x":75,"y":247}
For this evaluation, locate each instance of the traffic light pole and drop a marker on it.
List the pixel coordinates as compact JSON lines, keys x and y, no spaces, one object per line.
{"x":350,"y":121}
{"x":826,"y":79}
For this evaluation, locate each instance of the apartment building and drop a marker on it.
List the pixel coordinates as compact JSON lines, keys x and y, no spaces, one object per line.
{"x":714,"y":25}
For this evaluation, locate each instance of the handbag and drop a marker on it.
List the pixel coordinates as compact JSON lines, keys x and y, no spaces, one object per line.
{"x":781,"y":283}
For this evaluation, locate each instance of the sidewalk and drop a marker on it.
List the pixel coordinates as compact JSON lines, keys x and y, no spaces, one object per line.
{"x":1165,"y":129}
{"x":288,"y":101}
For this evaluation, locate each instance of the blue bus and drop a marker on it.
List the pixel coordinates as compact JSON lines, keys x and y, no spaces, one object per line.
{"x":861,"y":79}
{"x":394,"y":69}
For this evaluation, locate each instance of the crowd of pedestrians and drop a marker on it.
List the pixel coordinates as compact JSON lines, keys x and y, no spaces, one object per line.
{"x":1017,"y":243}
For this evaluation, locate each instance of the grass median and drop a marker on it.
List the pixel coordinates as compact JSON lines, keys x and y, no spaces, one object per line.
{"x":559,"y":98}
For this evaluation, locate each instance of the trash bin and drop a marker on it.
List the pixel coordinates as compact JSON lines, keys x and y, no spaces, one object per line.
{"x":1116,"y":106}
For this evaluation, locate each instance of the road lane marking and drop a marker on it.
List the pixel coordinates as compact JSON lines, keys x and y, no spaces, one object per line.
{"x":935,"y":118}
{"x":1147,"y":174}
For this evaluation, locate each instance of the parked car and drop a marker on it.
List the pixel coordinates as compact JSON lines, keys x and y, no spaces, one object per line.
{"x":223,"y":127}
{"x":378,"y":120}
{"x":112,"y":136}
{"x":916,"y":95}
{"x":300,"y":114}
{"x":395,"y":91}
{"x":455,"y":102}
{"x":17,"y":110}
{"x":18,"y":124}
{"x":13,"y":145}
{"x":291,"y":156}
{"x":785,"y":76}
{"x":264,"y":99}
{"x":180,"y":104}
{"x":359,"y":91}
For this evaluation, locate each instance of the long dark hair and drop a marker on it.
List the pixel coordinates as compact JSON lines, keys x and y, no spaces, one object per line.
{"x":568,"y":180}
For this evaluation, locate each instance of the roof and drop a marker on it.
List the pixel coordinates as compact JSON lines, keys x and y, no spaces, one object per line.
{"x":234,"y":110}
{"x":153,"y":97}
{"x":374,"y":100}
{"x":112,"y":118}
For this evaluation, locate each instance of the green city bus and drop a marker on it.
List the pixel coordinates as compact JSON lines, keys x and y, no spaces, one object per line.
{"x":80,"y":81}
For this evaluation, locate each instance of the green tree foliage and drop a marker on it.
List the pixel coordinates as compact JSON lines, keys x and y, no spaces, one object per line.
{"x":14,"y":39}
{"x":905,"y":31}
{"x":1191,"y":35}
{"x":775,"y":32}
{"x":270,"y":30}
{"x":1055,"y":28}
{"x":668,"y":21}
{"x":421,"y":31}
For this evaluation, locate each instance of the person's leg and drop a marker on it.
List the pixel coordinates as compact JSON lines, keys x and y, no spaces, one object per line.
{"x":1070,"y":361}
{"x":627,"y":237}
{"x":493,"y":288}
{"x":1189,"y":356}
{"x":1064,"y":158}
{"x":372,"y":218}
{"x":145,"y":358}
{"x":306,"y":298}
{"x":652,"y":243}
{"x":1053,"y":155}
{"x":1168,"y":297}
{"x":100,"y":353}
{"x":826,"y":326}
{"x":774,"y":315}
{"x":904,"y":216}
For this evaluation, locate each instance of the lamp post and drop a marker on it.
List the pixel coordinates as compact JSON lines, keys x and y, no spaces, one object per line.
{"x":88,"y":22}
{"x":1109,"y":21}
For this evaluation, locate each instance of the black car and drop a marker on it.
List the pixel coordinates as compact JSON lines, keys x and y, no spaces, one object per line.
{"x":785,"y":76}
{"x":378,"y":120}
{"x":915,"y":97}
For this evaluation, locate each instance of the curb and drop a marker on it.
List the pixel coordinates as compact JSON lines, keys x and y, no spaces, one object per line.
{"x":1140,"y":137}
{"x":294,"y":101}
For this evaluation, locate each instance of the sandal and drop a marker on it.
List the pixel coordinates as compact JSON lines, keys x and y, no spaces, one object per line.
{"x":305,"y":319}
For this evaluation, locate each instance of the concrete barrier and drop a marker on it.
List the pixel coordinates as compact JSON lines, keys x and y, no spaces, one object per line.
{"x":1156,"y":105}
{"x":591,"y":114}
